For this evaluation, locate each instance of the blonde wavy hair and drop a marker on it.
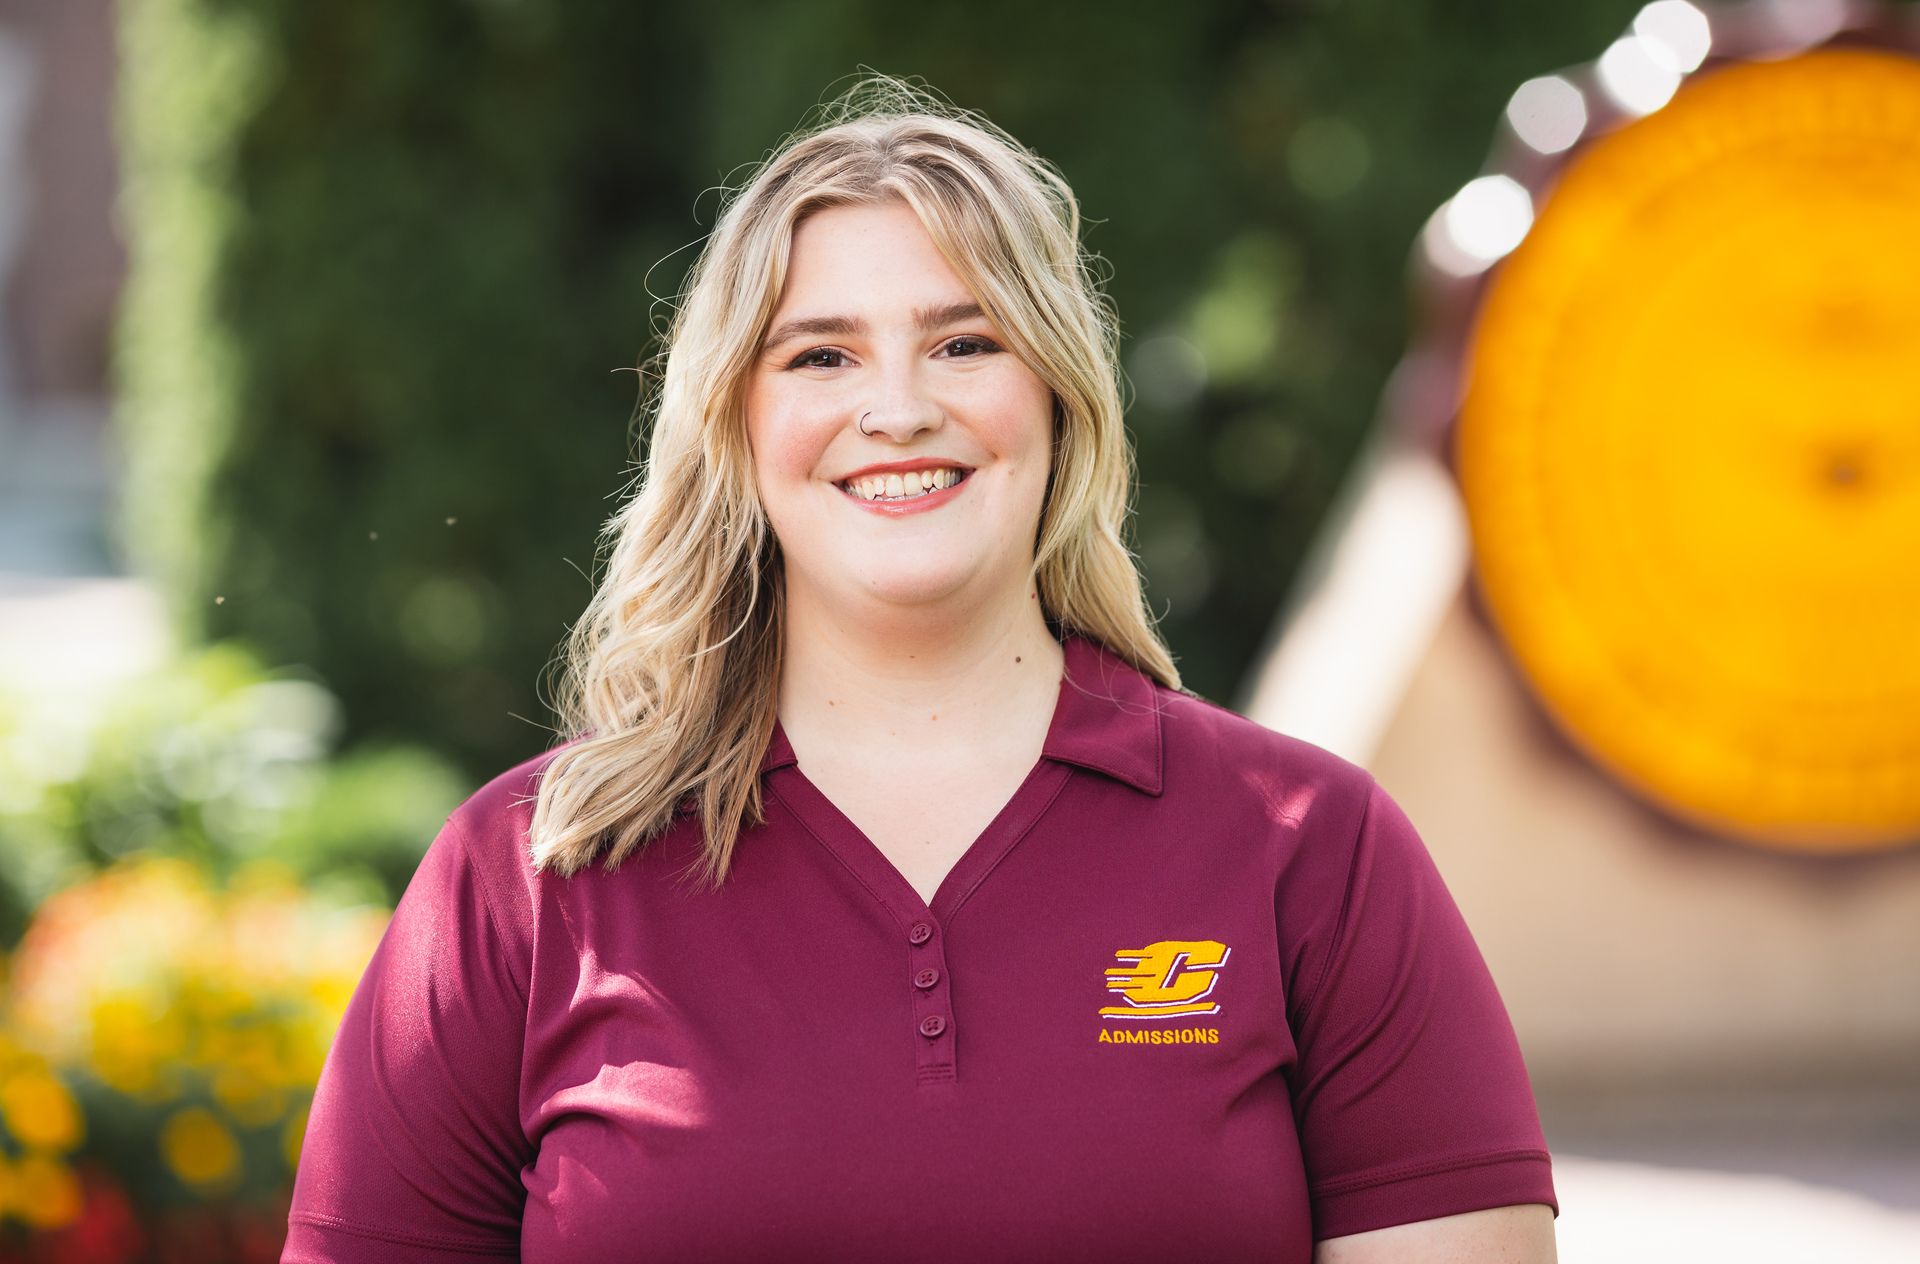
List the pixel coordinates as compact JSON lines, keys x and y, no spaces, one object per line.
{"x":670,"y":683}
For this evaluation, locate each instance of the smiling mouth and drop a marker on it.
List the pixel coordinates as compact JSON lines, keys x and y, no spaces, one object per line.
{"x":891,"y":488}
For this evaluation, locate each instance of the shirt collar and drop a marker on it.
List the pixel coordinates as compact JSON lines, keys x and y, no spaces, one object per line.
{"x":1107,"y":719}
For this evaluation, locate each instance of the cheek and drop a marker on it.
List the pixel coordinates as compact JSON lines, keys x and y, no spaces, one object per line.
{"x":1024,"y":407}
{"x":785,"y":446}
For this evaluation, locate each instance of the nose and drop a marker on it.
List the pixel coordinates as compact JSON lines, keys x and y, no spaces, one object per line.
{"x":900,"y":406}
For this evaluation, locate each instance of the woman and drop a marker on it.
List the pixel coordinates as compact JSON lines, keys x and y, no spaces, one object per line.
{"x":892,"y":900}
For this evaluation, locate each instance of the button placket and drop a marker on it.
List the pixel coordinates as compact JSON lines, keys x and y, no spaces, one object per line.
{"x":932,"y":1005}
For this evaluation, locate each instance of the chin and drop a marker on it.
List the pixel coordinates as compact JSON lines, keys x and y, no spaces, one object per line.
{"x":914,"y":594}
{"x":917,"y":588}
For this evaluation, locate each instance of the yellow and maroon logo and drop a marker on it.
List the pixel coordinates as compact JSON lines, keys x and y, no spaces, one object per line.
{"x":1170,"y":979}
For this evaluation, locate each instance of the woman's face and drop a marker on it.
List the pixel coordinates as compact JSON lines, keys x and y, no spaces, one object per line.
{"x":873,"y":323}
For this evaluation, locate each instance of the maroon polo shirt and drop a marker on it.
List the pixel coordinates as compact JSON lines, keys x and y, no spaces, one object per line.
{"x":1197,"y":992}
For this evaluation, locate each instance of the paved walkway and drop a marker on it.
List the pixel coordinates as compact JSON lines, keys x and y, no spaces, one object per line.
{"x":1614,"y":1212}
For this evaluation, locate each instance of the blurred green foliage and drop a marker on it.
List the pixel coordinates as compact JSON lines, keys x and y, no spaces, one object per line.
{"x":214,"y":760}
{"x":388,"y":260}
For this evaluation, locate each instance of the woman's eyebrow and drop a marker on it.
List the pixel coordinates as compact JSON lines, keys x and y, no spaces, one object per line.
{"x":927,"y":319}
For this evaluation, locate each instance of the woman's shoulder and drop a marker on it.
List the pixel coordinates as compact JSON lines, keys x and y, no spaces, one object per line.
{"x":507,"y":799}
{"x":1208,"y":734}
{"x":1203,"y":749}
{"x":1231,"y":784}
{"x":492,"y":832}
{"x":1236,"y":786}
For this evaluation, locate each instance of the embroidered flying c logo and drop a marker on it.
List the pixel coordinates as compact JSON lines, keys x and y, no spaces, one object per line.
{"x":1166,"y":980}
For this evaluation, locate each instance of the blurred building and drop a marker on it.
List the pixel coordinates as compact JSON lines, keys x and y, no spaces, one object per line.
{"x":67,"y":616}
{"x":61,"y":265}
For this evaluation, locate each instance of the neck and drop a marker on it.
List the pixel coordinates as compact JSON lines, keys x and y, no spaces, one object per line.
{"x":902,"y":685}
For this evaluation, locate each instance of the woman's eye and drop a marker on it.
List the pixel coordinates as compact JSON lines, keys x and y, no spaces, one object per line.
{"x":812,"y":359}
{"x":981,"y":346}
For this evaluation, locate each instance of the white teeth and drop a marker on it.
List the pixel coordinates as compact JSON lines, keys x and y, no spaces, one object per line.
{"x":902,"y":487}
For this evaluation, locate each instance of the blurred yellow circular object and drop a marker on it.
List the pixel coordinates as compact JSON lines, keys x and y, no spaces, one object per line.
{"x":199,"y":1148}
{"x":46,"y":1193}
{"x":1689,"y":446}
{"x":39,"y":1111}
{"x":246,"y":1097}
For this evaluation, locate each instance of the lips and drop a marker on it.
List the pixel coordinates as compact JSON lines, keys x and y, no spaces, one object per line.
{"x":912,"y":504}
{"x":902,"y":467}
{"x":895,"y":489}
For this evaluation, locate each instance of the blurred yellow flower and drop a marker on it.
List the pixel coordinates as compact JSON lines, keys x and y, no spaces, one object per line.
{"x":199,"y":1148}
{"x":39,"y":1111}
{"x":248,"y":1098}
{"x":132,"y":1038}
{"x":44,"y":1192}
{"x":158,"y":984}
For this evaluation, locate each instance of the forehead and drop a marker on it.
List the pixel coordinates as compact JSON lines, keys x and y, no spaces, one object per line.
{"x":844,"y":254}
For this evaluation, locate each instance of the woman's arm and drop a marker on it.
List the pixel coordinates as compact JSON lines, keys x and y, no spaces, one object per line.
{"x":1521,"y":1234}
{"x":414,"y":1147}
{"x":1412,"y":1099}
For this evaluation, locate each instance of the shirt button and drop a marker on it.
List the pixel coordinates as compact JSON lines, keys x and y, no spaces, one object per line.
{"x":920,"y":933}
{"x":926,"y":978}
{"x":932,"y":1025}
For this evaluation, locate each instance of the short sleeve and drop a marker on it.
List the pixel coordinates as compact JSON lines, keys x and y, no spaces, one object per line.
{"x":414,"y":1147}
{"x":1411,"y":1099}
